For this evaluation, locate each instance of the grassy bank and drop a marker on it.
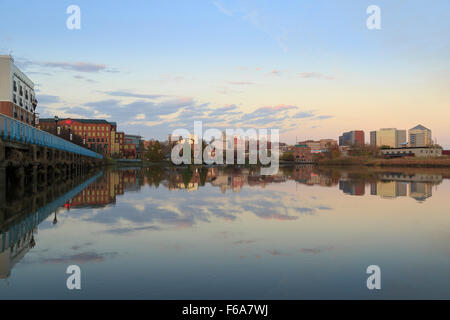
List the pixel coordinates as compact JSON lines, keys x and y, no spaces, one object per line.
{"x":441,"y":162}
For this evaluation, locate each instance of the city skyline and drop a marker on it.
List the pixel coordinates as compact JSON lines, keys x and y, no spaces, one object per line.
{"x":154,"y":67}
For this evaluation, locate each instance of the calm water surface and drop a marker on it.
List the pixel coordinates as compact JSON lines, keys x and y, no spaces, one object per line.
{"x":209,"y":233}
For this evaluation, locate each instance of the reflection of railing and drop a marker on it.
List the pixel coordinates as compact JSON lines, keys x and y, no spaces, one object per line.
{"x":21,"y":132}
{"x":19,"y":230}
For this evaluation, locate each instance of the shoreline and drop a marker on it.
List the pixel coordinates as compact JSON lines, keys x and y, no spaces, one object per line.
{"x":441,"y":162}
{"x":340,"y":162}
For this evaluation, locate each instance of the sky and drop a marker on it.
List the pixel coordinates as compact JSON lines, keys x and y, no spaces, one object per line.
{"x":309,"y":68}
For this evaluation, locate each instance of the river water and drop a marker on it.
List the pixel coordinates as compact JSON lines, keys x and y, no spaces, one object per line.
{"x":230,"y":233}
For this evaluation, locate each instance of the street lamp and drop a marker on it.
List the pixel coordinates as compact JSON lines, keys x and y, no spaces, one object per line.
{"x":56,"y":124}
{"x":84,"y":140}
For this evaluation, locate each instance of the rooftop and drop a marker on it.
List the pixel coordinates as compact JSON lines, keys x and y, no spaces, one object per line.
{"x":419,"y":127}
{"x":102,"y":121}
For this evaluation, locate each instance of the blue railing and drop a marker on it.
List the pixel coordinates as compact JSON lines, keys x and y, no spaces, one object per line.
{"x":15,"y":130}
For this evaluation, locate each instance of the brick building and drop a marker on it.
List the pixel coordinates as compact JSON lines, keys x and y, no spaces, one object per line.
{"x":115,"y":140}
{"x":129,"y":149}
{"x":302,"y":154}
{"x":96,"y":134}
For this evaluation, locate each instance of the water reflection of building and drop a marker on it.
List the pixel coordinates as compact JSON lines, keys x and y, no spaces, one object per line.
{"x":306,"y":175}
{"x":104,"y":191}
{"x":190,"y":179}
{"x":386,"y":185}
{"x":394,"y":185}
{"x":389,"y":189}
{"x":15,"y":242}
{"x":354,"y":188}
{"x":420,"y":190}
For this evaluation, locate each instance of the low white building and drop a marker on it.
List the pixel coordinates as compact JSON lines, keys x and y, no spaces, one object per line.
{"x":17,"y":97}
{"x":412,"y":151}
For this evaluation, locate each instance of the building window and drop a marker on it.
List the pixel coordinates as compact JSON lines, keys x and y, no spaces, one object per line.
{"x":20,"y":102}
{"x":26,"y":94}
{"x":21,"y":91}
{"x":14,"y":98}
{"x":15,"y":86}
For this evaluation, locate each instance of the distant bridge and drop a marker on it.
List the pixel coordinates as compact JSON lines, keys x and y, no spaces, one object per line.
{"x":28,"y":154}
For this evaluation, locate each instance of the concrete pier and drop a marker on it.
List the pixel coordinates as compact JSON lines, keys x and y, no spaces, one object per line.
{"x":22,"y":164}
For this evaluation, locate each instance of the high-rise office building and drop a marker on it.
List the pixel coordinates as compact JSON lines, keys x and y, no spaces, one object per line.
{"x":390,"y":137}
{"x":351,"y":138}
{"x":419,"y":136}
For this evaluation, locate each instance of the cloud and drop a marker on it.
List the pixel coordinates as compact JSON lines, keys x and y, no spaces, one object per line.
{"x":275,"y":72}
{"x":133,"y":95}
{"x":76,"y":66}
{"x":241,"y":83}
{"x":268,"y":111}
{"x":222,"y":9}
{"x":78,"y":77}
{"x":303,"y":114}
{"x":47,"y":99}
{"x":315,"y":75}
{"x":323,"y":117}
{"x":156,"y":114}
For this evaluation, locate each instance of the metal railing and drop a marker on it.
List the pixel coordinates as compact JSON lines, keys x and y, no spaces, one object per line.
{"x":15,"y":130}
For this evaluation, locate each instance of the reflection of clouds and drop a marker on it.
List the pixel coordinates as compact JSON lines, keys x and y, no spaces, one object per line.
{"x":228,"y":234}
{"x":316,"y":250}
{"x":244,"y":241}
{"x":80,"y":246}
{"x":132,"y":230}
{"x":83,"y":257}
{"x":183,"y":210}
{"x":256,"y":256}
{"x":277,"y":252}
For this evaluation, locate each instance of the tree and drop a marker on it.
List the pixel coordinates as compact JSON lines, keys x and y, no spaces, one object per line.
{"x":153,"y":152}
{"x":287,"y":156}
{"x":332,"y":152}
